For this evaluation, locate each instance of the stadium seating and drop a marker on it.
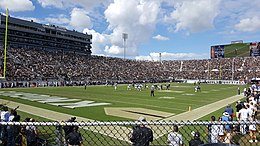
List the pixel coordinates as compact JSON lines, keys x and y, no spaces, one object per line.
{"x":24,"y":64}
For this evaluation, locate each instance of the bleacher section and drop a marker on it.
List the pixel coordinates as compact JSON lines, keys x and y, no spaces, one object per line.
{"x":33,"y":64}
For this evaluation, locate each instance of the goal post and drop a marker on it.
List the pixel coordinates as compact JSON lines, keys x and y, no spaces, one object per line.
{"x":5,"y":45}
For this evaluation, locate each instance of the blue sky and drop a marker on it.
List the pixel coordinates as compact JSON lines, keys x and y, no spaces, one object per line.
{"x":178,"y":29}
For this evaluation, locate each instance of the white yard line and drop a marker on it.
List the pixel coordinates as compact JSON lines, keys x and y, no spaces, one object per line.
{"x":123,"y":131}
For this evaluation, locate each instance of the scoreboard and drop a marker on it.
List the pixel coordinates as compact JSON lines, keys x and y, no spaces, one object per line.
{"x":235,"y":50}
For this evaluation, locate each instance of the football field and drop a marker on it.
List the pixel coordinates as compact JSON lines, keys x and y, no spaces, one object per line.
{"x":104,"y":103}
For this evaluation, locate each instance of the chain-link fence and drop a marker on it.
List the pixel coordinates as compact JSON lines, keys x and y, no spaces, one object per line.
{"x":120,"y":133}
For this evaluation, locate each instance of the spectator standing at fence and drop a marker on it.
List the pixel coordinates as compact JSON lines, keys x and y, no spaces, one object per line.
{"x":249,"y":91}
{"x":68,"y":129}
{"x":3,"y":133}
{"x":213,"y":131}
{"x":196,"y":141}
{"x":141,"y":135}
{"x":238,"y":108}
{"x":221,"y":131}
{"x":252,"y":132}
{"x":32,"y":134}
{"x":226,"y":118}
{"x":230,"y":111}
{"x":250,"y":112}
{"x":11,"y":129}
{"x":21,"y":139}
{"x":227,"y":132}
{"x":243,"y":116}
{"x":228,"y":138}
{"x":74,"y":138}
{"x":59,"y":135}
{"x":174,"y":138}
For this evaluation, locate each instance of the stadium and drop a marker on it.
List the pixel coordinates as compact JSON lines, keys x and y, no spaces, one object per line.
{"x":51,"y":81}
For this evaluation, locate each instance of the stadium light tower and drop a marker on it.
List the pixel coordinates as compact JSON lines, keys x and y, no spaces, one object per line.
{"x":124,"y":36}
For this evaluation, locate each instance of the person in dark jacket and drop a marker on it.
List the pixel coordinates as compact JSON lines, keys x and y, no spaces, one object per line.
{"x":74,"y":138}
{"x":68,"y":129}
{"x":196,"y":141}
{"x":141,"y":135}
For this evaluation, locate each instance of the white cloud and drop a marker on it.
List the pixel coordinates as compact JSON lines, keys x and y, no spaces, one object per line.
{"x":235,"y":14}
{"x":59,"y":19}
{"x":194,"y":15}
{"x":113,"y":50}
{"x":99,"y":41}
{"x":29,"y":19}
{"x":161,"y":38}
{"x":249,"y":24}
{"x":154,"y":56}
{"x":80,"y":19}
{"x":17,"y":5}
{"x":142,"y":20}
{"x":136,"y":18}
{"x":147,"y":58}
{"x":54,"y":3}
{"x":86,"y":4}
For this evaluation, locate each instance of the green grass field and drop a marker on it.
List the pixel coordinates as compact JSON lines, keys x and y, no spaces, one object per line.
{"x":176,"y":100}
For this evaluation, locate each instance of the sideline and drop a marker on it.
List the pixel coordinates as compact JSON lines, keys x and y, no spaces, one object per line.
{"x":122,"y":132}
{"x":205,"y":110}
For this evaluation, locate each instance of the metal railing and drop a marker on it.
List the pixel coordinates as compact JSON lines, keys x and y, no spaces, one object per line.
{"x":119,"y":133}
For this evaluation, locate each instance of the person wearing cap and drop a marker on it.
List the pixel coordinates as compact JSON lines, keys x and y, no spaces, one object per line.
{"x":226,"y":118}
{"x":196,"y":141}
{"x":174,"y":138}
{"x":141,"y":135}
{"x":230,"y":111}
{"x":226,"y":138}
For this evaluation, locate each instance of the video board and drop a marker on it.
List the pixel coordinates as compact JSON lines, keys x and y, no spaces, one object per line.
{"x":235,"y":50}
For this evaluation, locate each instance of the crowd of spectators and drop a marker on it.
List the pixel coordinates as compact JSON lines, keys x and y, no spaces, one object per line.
{"x":225,"y":133}
{"x":31,"y":135}
{"x":25,"y":64}
{"x":15,"y":135}
{"x":243,"y":111}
